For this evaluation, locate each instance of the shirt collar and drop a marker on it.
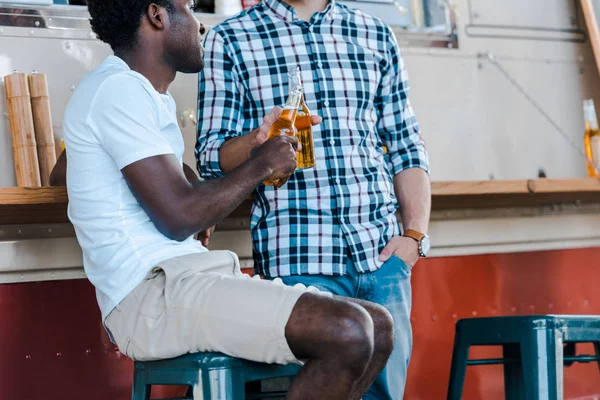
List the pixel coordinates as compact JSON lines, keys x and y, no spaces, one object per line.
{"x":287,"y":13}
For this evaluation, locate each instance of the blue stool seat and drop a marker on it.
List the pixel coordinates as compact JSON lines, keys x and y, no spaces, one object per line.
{"x":211,"y":375}
{"x":534,"y":351}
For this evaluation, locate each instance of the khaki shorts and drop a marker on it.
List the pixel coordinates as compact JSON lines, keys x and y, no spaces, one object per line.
{"x":202,"y":302}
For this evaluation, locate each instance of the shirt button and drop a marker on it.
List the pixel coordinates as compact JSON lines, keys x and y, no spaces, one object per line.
{"x":320,"y":64}
{"x":337,"y":180}
{"x":342,"y":220}
{"x":332,"y":141}
{"x":326,"y":103}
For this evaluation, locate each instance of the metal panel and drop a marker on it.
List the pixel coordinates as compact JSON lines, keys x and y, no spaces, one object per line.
{"x":51,"y":332}
{"x":394,"y":13}
{"x":530,"y":14}
{"x":57,"y":256}
{"x":458,"y":97}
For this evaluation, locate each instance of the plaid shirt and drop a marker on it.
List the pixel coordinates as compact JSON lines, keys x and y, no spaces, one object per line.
{"x":354,"y":77}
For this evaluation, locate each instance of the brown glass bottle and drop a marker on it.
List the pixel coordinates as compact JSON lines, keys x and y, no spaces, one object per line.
{"x":306,"y":155}
{"x":591,"y":139}
{"x":285,"y":125}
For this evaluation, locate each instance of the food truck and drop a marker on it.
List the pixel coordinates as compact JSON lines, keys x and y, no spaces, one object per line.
{"x":498,"y":88}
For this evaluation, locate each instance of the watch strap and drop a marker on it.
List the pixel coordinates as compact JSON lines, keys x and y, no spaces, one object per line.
{"x":416,"y":235}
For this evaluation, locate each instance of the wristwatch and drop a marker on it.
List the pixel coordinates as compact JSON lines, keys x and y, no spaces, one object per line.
{"x":422,"y":239}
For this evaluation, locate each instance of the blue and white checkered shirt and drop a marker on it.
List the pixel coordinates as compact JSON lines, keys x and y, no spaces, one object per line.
{"x":354,"y":77}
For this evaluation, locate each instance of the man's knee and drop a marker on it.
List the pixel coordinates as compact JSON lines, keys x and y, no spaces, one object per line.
{"x":354,"y":329}
{"x":333,"y":329}
{"x":384,"y":328}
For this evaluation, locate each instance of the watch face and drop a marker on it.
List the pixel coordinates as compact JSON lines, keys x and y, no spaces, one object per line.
{"x":425,"y":244}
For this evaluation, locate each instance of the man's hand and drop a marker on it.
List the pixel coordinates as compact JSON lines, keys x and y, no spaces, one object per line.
{"x":204,"y":236}
{"x":278,"y":156}
{"x":239,"y":149}
{"x":263,"y":131}
{"x":403,"y":247}
{"x":261,"y":135}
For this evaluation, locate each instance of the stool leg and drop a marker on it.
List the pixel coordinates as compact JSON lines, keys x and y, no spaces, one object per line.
{"x":597,"y":348}
{"x":141,"y":391}
{"x":514,"y":388}
{"x":458,"y":370}
{"x":542,"y":357}
{"x":220,"y":384}
{"x":569,"y":350}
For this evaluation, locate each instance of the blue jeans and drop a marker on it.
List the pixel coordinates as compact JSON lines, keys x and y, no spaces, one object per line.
{"x":390,"y":287}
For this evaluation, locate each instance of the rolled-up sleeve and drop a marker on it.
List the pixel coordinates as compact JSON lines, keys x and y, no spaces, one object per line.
{"x":220,"y":99}
{"x":397,"y":124}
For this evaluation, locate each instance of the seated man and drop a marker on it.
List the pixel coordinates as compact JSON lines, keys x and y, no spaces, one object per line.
{"x":135,"y":207}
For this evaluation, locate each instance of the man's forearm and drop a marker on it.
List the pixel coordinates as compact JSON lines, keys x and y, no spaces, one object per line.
{"x":236,"y":150}
{"x":209,"y":202}
{"x":413,"y":190}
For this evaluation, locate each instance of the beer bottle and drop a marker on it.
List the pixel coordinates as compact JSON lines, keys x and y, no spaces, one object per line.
{"x":591,"y":139}
{"x":285,"y":125}
{"x":306,"y":156}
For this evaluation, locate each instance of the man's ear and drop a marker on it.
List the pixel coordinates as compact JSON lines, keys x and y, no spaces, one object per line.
{"x":157,"y":16}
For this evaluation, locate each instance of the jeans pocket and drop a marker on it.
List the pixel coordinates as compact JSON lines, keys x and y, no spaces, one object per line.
{"x":397,"y":263}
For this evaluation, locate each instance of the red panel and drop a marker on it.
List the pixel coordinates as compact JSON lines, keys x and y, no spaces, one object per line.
{"x":53,"y":346}
{"x":446,"y":289}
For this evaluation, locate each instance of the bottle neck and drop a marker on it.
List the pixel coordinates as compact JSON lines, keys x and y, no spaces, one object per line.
{"x":591,"y":121}
{"x":293,"y":102}
{"x":589,"y":115}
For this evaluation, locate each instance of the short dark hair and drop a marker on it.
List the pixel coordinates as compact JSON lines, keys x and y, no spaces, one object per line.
{"x":116,"y":22}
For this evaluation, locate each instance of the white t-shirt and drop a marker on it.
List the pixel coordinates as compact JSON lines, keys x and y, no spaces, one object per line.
{"x":114,"y":119}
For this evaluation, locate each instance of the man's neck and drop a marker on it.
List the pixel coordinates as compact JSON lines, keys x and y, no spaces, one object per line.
{"x":306,"y":8}
{"x":145,"y":62}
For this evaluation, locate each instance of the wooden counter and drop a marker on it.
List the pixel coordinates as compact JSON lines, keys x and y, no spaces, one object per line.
{"x":49,"y":204}
{"x":33,"y":205}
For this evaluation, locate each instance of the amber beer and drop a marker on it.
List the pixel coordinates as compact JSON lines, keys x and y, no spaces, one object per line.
{"x":591,"y":139}
{"x":285,"y":125}
{"x":306,"y":155}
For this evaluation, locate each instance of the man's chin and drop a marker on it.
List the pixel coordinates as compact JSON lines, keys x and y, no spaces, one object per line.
{"x":192,"y":69}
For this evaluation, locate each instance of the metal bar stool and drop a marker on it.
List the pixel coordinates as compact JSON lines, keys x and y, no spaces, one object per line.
{"x":533,"y":351}
{"x":213,"y":376}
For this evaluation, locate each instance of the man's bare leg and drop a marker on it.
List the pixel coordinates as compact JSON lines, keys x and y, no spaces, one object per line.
{"x":384,"y":344}
{"x":337,"y":338}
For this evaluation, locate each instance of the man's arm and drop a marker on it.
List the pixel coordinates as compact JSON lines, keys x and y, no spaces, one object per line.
{"x":413,"y":191}
{"x":58,"y":176}
{"x":237,"y":150}
{"x":220,"y":112}
{"x":407,"y":157}
{"x":192,"y":178}
{"x":190,"y":175}
{"x":179,"y":209}
{"x":126,"y":127}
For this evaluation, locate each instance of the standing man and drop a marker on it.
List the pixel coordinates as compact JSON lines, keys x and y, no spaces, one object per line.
{"x":333,"y":226}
